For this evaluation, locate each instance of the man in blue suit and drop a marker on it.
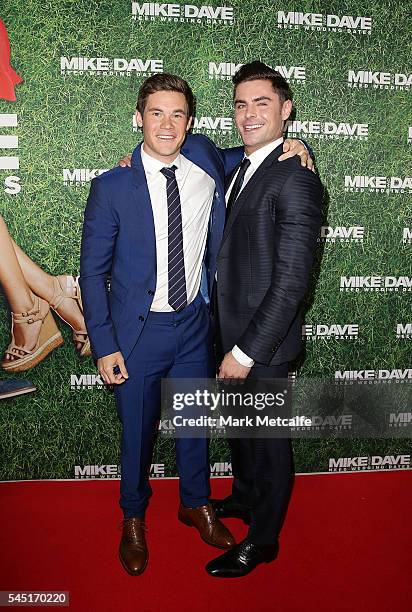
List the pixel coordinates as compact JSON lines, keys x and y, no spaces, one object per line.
{"x":156,"y":231}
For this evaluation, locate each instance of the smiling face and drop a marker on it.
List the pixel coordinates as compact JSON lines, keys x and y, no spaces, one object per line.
{"x":165,"y":122}
{"x":259,"y":113}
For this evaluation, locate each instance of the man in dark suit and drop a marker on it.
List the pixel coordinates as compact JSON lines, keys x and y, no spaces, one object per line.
{"x":263,"y":269}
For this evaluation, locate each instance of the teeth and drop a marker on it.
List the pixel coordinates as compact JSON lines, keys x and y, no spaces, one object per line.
{"x":253,"y":127}
{"x":166,"y":137}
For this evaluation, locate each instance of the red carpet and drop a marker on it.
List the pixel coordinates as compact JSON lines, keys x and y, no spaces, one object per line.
{"x":346,"y":545}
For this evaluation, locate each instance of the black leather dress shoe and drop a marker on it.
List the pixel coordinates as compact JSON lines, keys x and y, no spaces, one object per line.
{"x":241,"y":560}
{"x":225,"y":508}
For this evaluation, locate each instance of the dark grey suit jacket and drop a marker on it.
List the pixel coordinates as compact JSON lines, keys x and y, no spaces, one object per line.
{"x":265,"y":260}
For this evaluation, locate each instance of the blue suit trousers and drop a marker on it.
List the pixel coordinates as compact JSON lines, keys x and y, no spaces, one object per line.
{"x":171,"y":345}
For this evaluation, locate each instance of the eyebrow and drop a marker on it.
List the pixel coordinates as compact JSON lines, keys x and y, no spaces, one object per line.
{"x":161,"y":110}
{"x":259,"y":99}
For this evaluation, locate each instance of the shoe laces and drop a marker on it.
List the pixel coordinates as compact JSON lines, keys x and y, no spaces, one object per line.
{"x":210,"y":513}
{"x":134,"y":523}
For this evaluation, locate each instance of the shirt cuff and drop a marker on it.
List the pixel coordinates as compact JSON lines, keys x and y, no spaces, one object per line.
{"x":241,"y":357}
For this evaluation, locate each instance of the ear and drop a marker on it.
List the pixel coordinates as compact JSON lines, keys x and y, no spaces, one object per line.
{"x":189,"y":124}
{"x":139,"y":119}
{"x":286,"y":109}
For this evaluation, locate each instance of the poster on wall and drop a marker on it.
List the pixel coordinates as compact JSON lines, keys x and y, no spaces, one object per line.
{"x":69,"y":77}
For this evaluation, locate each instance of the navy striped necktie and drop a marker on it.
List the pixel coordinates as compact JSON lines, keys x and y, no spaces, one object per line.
{"x":177,"y":295}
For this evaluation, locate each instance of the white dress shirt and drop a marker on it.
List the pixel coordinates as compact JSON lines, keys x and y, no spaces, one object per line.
{"x":196,"y":189}
{"x":256,"y":158}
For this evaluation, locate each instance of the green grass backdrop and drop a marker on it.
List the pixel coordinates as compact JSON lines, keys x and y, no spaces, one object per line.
{"x":85,"y":121}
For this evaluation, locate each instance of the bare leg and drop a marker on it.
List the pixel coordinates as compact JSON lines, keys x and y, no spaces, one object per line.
{"x":21,"y":278}
{"x":11,"y":276}
{"x":41,"y":284}
{"x":38,"y":280}
{"x":17,"y":292}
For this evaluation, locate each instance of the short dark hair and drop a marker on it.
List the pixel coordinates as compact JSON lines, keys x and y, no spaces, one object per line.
{"x":258,"y":70}
{"x":165,"y":82}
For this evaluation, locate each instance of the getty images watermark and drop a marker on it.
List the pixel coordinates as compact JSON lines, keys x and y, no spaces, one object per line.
{"x":232,"y":404}
{"x":280,"y":408}
{"x":230,"y":401}
{"x":231,"y":409}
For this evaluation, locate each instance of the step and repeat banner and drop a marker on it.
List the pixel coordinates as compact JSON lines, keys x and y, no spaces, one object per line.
{"x":69,"y":76}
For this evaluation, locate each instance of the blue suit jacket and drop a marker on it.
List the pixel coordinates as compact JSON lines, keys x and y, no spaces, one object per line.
{"x":119,"y":242}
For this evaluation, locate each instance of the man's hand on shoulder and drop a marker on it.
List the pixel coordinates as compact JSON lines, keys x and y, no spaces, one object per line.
{"x":292,"y":147}
{"x":231,"y":368}
{"x":112,"y":369}
{"x":126,"y":161}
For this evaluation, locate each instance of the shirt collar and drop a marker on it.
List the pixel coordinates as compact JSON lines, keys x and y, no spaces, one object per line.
{"x":257,"y":157}
{"x":152,"y":165}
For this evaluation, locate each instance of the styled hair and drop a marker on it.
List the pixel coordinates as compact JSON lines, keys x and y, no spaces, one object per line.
{"x":165,"y":82}
{"x":258,"y":70}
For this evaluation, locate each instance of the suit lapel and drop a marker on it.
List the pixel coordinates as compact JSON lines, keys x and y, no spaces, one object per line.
{"x":249,"y":188}
{"x":141,"y":198}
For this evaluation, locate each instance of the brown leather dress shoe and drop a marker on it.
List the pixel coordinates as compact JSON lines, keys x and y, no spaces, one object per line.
{"x":133,"y":551}
{"x":211,"y":530}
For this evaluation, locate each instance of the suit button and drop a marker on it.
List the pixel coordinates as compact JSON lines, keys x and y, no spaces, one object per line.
{"x":141,"y":318}
{"x":150,"y":292}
